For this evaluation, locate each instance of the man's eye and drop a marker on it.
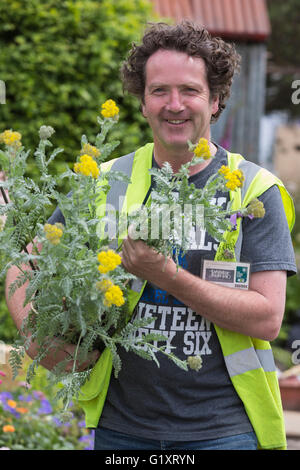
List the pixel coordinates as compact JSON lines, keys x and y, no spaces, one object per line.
{"x":158,"y":90}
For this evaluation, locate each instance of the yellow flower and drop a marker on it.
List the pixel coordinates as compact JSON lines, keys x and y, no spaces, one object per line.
{"x":109,"y":109}
{"x":239,"y":174}
{"x":231,"y":184}
{"x":224,"y":170}
{"x":202,"y":150}
{"x":87,"y":166}
{"x":108,"y":260}
{"x":11,"y":138}
{"x":104,"y":285}
{"x":53,"y":232}
{"x":114,"y":296}
{"x":90,"y":150}
{"x":8,"y":428}
{"x":234,"y":178}
{"x":12,"y":403}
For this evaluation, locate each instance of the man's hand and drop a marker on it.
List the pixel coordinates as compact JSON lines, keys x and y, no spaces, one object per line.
{"x":145,"y":262}
{"x":59,"y":352}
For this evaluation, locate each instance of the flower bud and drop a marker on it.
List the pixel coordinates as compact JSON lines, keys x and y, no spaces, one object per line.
{"x":256,"y":208}
{"x":195,"y":362}
{"x":46,"y":132}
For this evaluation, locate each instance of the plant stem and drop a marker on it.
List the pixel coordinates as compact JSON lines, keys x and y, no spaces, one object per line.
{"x":4,"y":195}
{"x":25,"y":248}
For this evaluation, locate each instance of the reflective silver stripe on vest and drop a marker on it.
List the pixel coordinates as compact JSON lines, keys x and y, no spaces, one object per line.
{"x":250,"y":359}
{"x":116,"y":194}
{"x":137,"y":284}
{"x":115,"y":198}
{"x":118,"y":188}
{"x":266,"y":359}
{"x":249,"y":170}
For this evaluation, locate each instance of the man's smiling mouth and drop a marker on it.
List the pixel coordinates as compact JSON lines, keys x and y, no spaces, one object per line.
{"x":176,"y":121}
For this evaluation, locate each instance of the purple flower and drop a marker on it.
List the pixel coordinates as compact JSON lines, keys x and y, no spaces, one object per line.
{"x":45,"y":408}
{"x":11,"y":410}
{"x":4,"y":396}
{"x":26,"y":398}
{"x":234,"y":217}
{"x":57,"y":421}
{"x":89,"y":439}
{"x":38,"y":395}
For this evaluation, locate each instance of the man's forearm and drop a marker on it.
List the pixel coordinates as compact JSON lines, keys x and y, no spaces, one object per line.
{"x":59,"y":350}
{"x":15,"y":304}
{"x":257,"y":312}
{"x":248,"y":312}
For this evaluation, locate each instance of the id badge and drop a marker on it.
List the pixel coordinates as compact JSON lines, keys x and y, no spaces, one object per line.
{"x":229,"y":274}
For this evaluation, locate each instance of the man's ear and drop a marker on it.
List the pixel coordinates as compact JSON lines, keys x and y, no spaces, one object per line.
{"x":143,"y":109}
{"x":215,"y":105}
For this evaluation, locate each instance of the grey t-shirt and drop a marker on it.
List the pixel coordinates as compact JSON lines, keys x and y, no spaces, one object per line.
{"x":167,"y":402}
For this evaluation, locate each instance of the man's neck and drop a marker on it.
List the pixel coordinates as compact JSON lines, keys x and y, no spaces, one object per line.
{"x":176,"y":158}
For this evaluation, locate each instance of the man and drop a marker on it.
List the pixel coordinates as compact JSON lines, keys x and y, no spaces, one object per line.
{"x":183,"y":77}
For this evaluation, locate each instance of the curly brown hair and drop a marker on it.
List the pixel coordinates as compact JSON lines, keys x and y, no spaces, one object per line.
{"x":221,"y":58}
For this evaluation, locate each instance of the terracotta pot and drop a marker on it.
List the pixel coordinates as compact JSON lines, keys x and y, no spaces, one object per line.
{"x":290,"y":393}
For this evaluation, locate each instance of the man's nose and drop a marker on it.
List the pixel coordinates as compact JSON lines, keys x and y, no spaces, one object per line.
{"x":175,"y":103}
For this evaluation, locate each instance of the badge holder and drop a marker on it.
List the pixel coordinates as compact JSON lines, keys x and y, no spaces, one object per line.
{"x":229,"y":274}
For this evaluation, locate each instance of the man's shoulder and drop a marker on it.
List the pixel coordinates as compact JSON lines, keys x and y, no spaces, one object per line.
{"x":124,"y":162}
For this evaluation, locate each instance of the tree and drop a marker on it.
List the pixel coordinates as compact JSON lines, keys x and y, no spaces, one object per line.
{"x":284,"y":55}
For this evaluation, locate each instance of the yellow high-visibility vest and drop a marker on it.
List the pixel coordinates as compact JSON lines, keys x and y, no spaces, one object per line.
{"x":249,"y":361}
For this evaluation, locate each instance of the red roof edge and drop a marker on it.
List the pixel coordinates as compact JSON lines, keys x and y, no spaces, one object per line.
{"x":255,"y":37}
{"x":248,"y":21}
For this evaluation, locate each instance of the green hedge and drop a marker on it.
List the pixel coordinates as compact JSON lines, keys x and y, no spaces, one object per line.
{"x":61,"y":60}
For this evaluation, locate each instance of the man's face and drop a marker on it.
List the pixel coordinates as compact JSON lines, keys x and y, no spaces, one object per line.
{"x":177,"y":103}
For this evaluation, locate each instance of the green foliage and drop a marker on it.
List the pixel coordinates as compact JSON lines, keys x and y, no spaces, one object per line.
{"x":284,"y":55}
{"x":292,"y":304}
{"x":176,"y":207}
{"x":60,"y":60}
{"x":293,"y":283}
{"x":64,"y":285}
{"x":8,"y":330}
{"x":285,"y":18}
